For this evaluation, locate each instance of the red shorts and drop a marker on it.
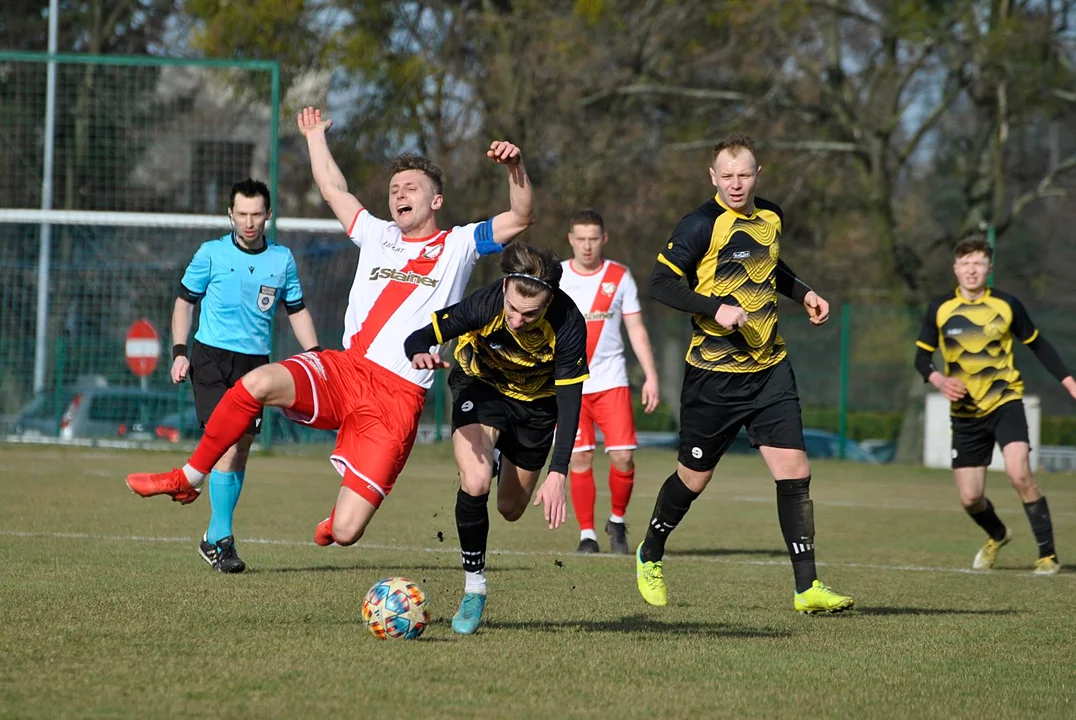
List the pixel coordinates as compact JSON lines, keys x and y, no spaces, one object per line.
{"x":374,"y":411}
{"x":611,"y":411}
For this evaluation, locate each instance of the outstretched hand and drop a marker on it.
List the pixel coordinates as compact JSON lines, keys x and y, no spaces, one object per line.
{"x":551,"y":495}
{"x":428,"y":361}
{"x":817,"y":308}
{"x":504,"y":152}
{"x":310,"y":122}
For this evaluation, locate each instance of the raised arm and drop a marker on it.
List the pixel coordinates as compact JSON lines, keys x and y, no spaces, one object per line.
{"x":508,"y":225}
{"x":327,"y":175}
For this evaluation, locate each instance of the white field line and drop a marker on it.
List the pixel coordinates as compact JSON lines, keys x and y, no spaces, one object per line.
{"x":450,"y":549}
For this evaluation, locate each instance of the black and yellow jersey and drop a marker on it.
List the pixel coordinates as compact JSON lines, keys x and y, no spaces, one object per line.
{"x":731,"y":258}
{"x":975,"y":338}
{"x":525,"y":365}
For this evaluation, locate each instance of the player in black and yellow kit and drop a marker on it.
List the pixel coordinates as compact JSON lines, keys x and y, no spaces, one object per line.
{"x":522,"y":361}
{"x":737,"y":372}
{"x":974,"y":329}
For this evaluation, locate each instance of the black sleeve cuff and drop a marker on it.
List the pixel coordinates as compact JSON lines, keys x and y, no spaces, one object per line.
{"x":186,"y":295}
{"x":421,"y":341}
{"x":294,"y":308}
{"x":179,"y":350}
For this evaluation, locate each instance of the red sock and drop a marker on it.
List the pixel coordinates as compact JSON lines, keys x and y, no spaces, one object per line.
{"x":230,"y":420}
{"x":620,"y":485}
{"x":583,"y":494}
{"x":332,"y":519}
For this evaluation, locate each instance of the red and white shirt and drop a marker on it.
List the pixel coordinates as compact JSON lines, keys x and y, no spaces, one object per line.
{"x":604,"y":297}
{"x":401,"y":282}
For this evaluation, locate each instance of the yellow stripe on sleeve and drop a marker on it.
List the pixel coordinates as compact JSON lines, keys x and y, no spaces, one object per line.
{"x":1034,"y":336}
{"x":572,"y":381}
{"x":920,"y":343}
{"x":437,"y":330}
{"x":665,"y":262}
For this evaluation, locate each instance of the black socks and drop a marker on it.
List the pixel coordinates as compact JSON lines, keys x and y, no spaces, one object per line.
{"x":672,"y":504}
{"x":795,"y":511}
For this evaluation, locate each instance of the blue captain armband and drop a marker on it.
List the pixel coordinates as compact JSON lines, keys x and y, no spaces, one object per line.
{"x":483,"y":239}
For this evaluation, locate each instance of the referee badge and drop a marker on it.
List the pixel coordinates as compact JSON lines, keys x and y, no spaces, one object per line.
{"x":266,"y":296}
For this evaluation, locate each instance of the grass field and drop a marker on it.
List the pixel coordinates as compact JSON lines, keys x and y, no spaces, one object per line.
{"x":107,"y":610}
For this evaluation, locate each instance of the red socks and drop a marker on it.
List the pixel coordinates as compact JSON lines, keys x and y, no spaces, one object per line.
{"x":230,"y":420}
{"x":583,"y":494}
{"x":620,"y":485}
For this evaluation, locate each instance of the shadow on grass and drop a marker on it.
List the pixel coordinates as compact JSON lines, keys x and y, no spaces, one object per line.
{"x":929,"y":611}
{"x":643,"y":626}
{"x":719,"y":552}
{"x":408,"y":571}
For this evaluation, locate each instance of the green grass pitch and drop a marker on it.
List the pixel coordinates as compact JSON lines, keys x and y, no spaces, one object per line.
{"x":106,"y":610}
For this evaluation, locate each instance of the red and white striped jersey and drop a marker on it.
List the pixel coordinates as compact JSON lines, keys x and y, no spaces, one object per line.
{"x":401,"y":282}
{"x":604,"y":297}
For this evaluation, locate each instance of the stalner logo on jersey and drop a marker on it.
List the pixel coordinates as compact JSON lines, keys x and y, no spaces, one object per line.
{"x":383,"y":273}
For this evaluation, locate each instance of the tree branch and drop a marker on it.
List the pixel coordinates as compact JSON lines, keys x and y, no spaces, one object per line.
{"x":931,"y":120}
{"x":651,"y":89}
{"x":817,"y":146}
{"x":1044,"y":189}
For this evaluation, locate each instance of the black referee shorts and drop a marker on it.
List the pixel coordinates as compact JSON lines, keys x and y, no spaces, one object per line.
{"x":526,"y":427}
{"x":974,"y":438}
{"x":213,"y":371}
{"x":715,"y":405}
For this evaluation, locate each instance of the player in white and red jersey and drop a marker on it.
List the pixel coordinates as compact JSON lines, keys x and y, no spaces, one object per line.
{"x":369,"y":392}
{"x":606,"y":295}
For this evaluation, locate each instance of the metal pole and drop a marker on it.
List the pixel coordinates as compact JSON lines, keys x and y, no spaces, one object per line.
{"x":991,"y":237}
{"x":842,"y":402}
{"x":45,"y":242}
{"x":274,"y":141}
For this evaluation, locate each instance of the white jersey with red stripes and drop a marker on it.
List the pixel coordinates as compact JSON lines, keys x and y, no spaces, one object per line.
{"x":401,"y":282}
{"x":604,"y":297}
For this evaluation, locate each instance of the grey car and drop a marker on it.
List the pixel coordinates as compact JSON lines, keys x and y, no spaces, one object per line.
{"x":116,"y":412}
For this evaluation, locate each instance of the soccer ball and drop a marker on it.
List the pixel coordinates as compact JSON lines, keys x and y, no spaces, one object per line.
{"x":395,"y":608}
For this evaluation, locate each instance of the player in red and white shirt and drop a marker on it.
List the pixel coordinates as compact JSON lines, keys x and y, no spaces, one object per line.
{"x":369,"y":392}
{"x":606,"y":295}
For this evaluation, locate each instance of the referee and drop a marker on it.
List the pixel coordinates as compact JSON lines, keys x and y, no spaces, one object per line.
{"x":238,"y":279}
{"x":737,"y":374}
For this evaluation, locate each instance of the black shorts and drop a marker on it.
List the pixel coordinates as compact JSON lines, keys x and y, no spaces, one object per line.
{"x":213,"y":371}
{"x":526,"y":427}
{"x":715,"y":405}
{"x":974,"y":438}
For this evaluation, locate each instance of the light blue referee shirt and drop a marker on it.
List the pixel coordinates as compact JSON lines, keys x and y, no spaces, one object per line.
{"x":239,"y":290}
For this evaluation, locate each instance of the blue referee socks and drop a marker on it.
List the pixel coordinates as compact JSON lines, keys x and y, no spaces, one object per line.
{"x":224,"y":489}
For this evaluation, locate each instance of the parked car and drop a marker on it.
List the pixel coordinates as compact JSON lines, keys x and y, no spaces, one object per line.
{"x":823,"y":445}
{"x":883,"y":450}
{"x":109,"y":412}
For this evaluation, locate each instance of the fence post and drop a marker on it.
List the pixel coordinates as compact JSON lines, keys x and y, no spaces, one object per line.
{"x":842,"y":402}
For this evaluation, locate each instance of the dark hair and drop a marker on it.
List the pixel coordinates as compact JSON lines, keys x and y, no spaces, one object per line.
{"x":973,"y":244}
{"x":250,"y":188}
{"x":587,"y":216}
{"x":540,"y":264}
{"x":733,"y":143}
{"x":413,"y":161}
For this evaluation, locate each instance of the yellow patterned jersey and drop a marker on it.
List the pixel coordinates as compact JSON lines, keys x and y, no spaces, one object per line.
{"x":733,"y":257}
{"x":975,"y":338}
{"x":525,"y":365}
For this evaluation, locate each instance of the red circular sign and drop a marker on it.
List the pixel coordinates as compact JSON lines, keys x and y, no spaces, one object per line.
{"x":143,"y":348}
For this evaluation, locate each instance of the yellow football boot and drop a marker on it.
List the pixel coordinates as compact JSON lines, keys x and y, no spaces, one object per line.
{"x":988,"y":553}
{"x":819,"y":598}
{"x":1047,"y":566}
{"x":650,"y":579}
